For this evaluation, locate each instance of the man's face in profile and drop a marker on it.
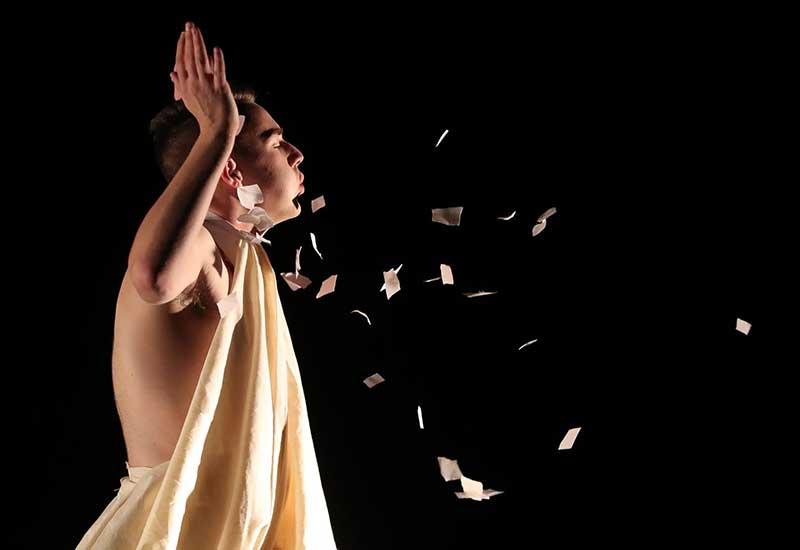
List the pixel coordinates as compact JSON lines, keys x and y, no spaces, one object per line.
{"x":269,"y":161}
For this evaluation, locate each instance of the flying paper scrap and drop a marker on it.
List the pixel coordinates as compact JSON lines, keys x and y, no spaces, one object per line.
{"x":295,"y":280}
{"x":390,"y":282}
{"x":526,"y":344}
{"x":447,"y":274}
{"x":447,"y":216}
{"x":363,"y":315}
{"x":314,"y":244}
{"x":374,"y":380}
{"x":449,"y":469}
{"x":514,"y":213}
{"x":477,"y":294}
{"x":328,"y":286}
{"x":441,"y":138}
{"x":743,"y":326}
{"x":318,"y":203}
{"x":569,"y":439}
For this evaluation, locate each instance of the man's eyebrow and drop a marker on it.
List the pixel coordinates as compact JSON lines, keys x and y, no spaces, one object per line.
{"x":269,"y":133}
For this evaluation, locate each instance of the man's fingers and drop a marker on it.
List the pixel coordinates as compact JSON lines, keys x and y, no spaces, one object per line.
{"x":205,"y":65}
{"x":223,"y":77}
{"x":199,"y":62}
{"x":188,"y":54}
{"x":179,"y":54}
{"x":215,"y":69}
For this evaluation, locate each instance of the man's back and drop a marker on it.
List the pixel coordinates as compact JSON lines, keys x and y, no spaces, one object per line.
{"x":158,"y":354}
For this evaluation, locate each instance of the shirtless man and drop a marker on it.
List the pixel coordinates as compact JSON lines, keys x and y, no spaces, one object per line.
{"x":166,"y":311}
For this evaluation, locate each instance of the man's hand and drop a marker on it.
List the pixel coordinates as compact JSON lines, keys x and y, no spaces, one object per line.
{"x":203,"y":85}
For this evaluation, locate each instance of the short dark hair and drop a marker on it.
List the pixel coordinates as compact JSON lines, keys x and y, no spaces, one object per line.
{"x":174,"y":130}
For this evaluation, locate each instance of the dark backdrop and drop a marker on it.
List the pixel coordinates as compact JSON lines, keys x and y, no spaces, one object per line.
{"x":662,"y":143}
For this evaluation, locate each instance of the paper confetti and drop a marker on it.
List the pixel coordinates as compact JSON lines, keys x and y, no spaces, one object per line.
{"x":472,"y":488}
{"x":569,"y":439}
{"x":374,"y":380}
{"x":390,"y":282}
{"x":514,"y":213}
{"x":317,"y":203}
{"x":447,"y":274}
{"x":539,"y":227}
{"x":314,"y":244}
{"x":743,"y":326}
{"x":526,"y":344}
{"x":487,"y":494}
{"x":229,"y":304}
{"x":547,"y":213}
{"x":241,"y":125}
{"x":254,"y":239}
{"x":419,"y":414}
{"x":295,"y":280}
{"x":258,"y":217}
{"x":449,"y":469}
{"x":441,"y":138}
{"x":434,"y":279}
{"x":328,"y":286}
{"x":364,"y":315}
{"x":297,"y":261}
{"x":447,"y":216}
{"x":477,"y":294}
{"x":250,"y":196}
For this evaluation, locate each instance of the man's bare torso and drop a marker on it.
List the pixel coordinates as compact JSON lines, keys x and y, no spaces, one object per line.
{"x":158,"y":354}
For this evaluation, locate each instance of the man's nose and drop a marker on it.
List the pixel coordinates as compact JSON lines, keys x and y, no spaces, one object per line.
{"x":295,"y":155}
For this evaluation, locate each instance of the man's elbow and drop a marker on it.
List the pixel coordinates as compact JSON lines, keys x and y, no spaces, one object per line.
{"x":150,"y":287}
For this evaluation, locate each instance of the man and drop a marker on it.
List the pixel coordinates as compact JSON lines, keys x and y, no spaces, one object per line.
{"x":169,"y":333}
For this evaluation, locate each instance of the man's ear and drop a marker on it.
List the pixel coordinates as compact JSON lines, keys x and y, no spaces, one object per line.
{"x":231,"y":175}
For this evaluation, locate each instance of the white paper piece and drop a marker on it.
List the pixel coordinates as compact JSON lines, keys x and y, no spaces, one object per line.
{"x":419,"y":414}
{"x":477,"y":294}
{"x":241,"y":125}
{"x":539,"y":227}
{"x":472,"y":488}
{"x":297,"y":261}
{"x":447,"y":216}
{"x":447,"y":274}
{"x":514,"y":213}
{"x":229,"y":304}
{"x":487,"y":494}
{"x":569,"y":439}
{"x":547,"y":213}
{"x":526,"y":344}
{"x":328,"y":286}
{"x":250,"y":196}
{"x":449,"y":469}
{"x":364,"y":315}
{"x":258,"y":217}
{"x":317,"y":203}
{"x":374,"y":380}
{"x":295,"y":280}
{"x":314,"y":244}
{"x":390,"y":282}
{"x":743,"y":326}
{"x":434,"y":279}
{"x":440,"y":139}
{"x":254,"y":239}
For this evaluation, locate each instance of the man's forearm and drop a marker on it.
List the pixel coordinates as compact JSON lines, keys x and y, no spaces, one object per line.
{"x":164,"y":239}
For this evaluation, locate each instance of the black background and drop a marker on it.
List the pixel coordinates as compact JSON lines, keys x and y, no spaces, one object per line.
{"x":662,"y":140}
